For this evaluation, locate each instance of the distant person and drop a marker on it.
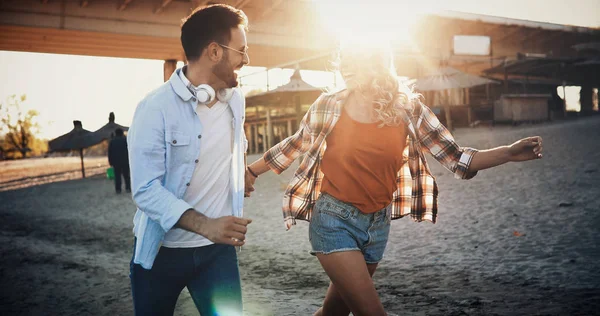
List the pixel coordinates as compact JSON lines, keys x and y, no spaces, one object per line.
{"x":187,"y":149}
{"x":119,"y":160}
{"x":364,"y":165}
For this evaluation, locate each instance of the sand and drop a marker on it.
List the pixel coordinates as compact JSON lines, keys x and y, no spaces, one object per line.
{"x":520,"y":239}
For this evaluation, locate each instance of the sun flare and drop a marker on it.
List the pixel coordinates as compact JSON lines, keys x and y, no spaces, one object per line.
{"x":376,"y":21}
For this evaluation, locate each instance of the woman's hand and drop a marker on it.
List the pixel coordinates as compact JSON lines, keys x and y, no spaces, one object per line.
{"x":249,"y":180}
{"x":526,"y":149}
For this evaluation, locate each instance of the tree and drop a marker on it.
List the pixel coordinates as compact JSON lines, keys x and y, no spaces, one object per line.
{"x":19,"y":128}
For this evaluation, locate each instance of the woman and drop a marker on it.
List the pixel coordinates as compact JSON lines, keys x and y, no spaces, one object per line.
{"x":364,"y":166}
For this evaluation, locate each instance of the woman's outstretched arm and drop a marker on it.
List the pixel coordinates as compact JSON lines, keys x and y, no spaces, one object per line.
{"x":525,"y":149}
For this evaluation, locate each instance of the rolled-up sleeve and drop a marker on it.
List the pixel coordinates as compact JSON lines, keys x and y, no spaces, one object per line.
{"x":436,"y":138}
{"x":147,"y":154}
{"x":281,"y":156}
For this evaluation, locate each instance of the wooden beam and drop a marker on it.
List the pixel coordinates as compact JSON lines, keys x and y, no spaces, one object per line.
{"x":44,"y":1}
{"x":94,"y":43}
{"x":532,"y":33}
{"x":163,"y":6}
{"x":72,"y":42}
{"x":241,"y":3}
{"x":270,"y":9}
{"x":508,"y":34}
{"x":550,"y":36}
{"x":84,"y":3}
{"x":124,"y":4}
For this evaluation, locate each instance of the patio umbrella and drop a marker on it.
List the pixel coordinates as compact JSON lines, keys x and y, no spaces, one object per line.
{"x":449,"y":78}
{"x":446,"y":79}
{"x":295,"y":88}
{"x":108,"y":130}
{"x":291,"y":95}
{"x":77,"y":139}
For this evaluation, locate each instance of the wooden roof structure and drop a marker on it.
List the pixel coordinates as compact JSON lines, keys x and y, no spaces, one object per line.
{"x":282,"y":33}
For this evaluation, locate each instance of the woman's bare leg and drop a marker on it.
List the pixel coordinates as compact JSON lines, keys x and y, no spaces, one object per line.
{"x":351,"y":287}
{"x":334,"y":305}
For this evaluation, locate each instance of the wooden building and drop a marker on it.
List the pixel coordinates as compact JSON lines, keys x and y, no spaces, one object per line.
{"x":288,"y":33}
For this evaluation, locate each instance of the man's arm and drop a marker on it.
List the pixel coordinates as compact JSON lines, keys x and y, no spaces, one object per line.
{"x":229,"y":230}
{"x":147,"y":149}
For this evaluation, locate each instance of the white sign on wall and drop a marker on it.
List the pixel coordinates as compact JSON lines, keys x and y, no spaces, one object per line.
{"x":472,"y":45}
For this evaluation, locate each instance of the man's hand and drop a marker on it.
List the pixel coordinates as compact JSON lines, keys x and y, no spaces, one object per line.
{"x":229,"y":230}
{"x":526,"y":149}
{"x":249,"y":181}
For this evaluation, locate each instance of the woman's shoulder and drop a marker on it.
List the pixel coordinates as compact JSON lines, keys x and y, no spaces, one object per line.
{"x":324,"y":101}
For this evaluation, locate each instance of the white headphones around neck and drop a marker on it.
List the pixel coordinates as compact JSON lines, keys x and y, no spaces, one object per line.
{"x":205,"y":94}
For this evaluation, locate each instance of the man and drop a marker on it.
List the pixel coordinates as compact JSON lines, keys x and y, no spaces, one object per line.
{"x":119,"y":160}
{"x":187,"y":149}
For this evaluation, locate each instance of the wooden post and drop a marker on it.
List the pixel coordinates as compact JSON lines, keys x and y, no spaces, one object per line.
{"x":564,"y":83}
{"x":264,"y":138}
{"x":249,"y":139}
{"x":505,"y":78}
{"x":289,"y":128}
{"x":255,"y":136}
{"x":169,"y":67}
{"x":269,"y":129}
{"x":82,"y":167}
{"x":268,"y":82}
{"x":448,"y":116}
{"x":447,"y":110}
{"x":299,"y":114}
{"x":468,"y":102}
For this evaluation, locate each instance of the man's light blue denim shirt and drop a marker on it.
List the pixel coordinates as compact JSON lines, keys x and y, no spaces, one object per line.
{"x":164,"y":141}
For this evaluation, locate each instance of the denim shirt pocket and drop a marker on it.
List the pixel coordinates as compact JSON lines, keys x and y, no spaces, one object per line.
{"x":179,"y":144}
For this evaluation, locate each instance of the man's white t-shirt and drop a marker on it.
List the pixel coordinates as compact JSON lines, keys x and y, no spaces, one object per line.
{"x":209,"y":191}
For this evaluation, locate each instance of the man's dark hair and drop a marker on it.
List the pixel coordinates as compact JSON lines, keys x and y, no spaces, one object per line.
{"x":209,"y":24}
{"x":118,"y":132}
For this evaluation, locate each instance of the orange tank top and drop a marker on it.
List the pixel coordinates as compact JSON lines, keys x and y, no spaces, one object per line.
{"x":361,"y":163}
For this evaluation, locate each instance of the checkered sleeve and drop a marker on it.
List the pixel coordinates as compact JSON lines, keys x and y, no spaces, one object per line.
{"x":281,"y":156}
{"x":434,"y":136}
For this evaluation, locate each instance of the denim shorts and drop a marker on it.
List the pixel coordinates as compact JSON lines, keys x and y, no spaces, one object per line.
{"x":338,"y":226}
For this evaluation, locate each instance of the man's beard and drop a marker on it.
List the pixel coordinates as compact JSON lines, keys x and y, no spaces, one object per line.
{"x":225,"y":73}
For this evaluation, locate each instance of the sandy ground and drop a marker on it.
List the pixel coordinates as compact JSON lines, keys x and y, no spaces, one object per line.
{"x":521,"y":239}
{"x":17,"y":174}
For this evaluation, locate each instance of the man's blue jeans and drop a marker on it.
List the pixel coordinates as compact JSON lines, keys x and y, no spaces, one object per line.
{"x":210,"y":273}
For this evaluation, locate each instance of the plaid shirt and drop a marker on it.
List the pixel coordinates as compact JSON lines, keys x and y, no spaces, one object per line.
{"x":416,"y":193}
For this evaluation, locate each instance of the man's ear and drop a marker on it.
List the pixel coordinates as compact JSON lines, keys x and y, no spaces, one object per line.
{"x":214,"y":52}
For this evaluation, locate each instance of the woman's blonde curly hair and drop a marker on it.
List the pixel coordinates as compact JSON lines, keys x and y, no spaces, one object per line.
{"x":371,"y":73}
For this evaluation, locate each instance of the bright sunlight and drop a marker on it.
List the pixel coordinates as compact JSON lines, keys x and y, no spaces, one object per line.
{"x":376,"y":21}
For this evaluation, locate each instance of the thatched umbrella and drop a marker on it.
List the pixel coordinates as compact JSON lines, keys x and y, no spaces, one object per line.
{"x":77,"y":139}
{"x":297,"y":90}
{"x":108,"y":130}
{"x":291,"y":95}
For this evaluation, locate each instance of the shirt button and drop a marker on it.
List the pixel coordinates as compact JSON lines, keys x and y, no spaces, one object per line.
{"x":187,"y":184}
{"x":199,"y":136}
{"x":196,"y":161}
{"x":174,"y":141}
